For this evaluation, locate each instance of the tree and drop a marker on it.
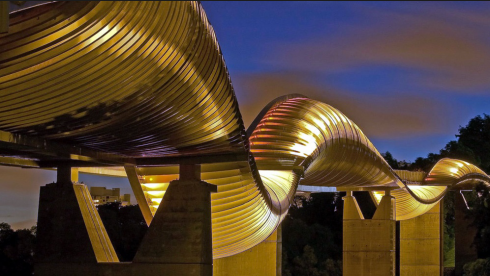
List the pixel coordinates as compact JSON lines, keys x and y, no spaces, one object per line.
{"x":480,"y":212}
{"x":125,"y":226}
{"x":306,"y":263}
{"x":312,"y":236}
{"x":390,"y":160}
{"x":480,"y":267}
{"x":16,"y":251}
{"x":449,"y":231}
{"x":476,"y":138}
{"x":425,"y":164}
{"x":395,"y":164}
{"x":332,"y":267}
{"x":472,"y":145}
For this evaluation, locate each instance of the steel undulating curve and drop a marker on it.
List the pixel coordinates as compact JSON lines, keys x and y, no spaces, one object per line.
{"x":145,"y":79}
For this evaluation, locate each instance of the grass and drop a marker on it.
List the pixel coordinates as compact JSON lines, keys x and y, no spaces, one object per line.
{"x":449,"y":258}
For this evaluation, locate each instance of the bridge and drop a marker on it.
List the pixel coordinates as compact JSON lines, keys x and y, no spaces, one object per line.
{"x":141,"y":90}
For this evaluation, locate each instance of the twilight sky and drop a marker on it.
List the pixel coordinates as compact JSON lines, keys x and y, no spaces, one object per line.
{"x":409,"y":74}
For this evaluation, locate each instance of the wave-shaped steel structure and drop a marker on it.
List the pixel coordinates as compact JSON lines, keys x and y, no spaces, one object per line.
{"x":97,"y":73}
{"x":128,"y":82}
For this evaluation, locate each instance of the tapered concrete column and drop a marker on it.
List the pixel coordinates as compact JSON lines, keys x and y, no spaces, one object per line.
{"x":69,"y":231}
{"x":263,"y":259}
{"x":420,"y":244}
{"x":369,"y":244}
{"x":179,"y":239}
{"x":66,"y":174}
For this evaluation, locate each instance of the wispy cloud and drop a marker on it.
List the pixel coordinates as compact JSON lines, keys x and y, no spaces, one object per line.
{"x":378,"y":116}
{"x":448,"y":47}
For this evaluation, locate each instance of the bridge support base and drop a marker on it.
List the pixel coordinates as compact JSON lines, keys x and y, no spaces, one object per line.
{"x":263,"y":259}
{"x":70,"y":230}
{"x":420,"y":244}
{"x":179,"y":239}
{"x":369,"y":244}
{"x":72,"y":239}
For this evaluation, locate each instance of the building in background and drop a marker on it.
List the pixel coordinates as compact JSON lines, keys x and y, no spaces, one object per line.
{"x":102,"y":195}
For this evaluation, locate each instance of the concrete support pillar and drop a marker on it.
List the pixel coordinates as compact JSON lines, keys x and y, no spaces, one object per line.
{"x":73,"y":241}
{"x":179,"y":239}
{"x":69,"y":231}
{"x":464,"y":234}
{"x":421,"y":244}
{"x":263,"y":259}
{"x":66,"y":174}
{"x":369,"y":245}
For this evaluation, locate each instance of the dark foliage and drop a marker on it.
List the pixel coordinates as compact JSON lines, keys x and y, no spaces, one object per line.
{"x":479,"y":201}
{"x":312,"y":236}
{"x":395,"y":164}
{"x":449,"y":219}
{"x":480,"y":213}
{"x":16,"y":250}
{"x":480,"y":267}
{"x":390,"y":160}
{"x":125,"y":226}
{"x":476,"y":138}
{"x":473,"y":145}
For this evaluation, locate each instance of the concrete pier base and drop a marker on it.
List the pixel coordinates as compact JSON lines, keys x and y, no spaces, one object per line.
{"x":369,"y":244}
{"x":69,"y":230}
{"x":420,"y":244}
{"x":263,"y":259}
{"x":179,"y":239}
{"x":72,"y":239}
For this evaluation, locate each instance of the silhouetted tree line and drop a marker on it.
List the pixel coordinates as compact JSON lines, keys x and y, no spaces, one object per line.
{"x":125,"y":227}
{"x":472,"y":145}
{"x":16,"y":250}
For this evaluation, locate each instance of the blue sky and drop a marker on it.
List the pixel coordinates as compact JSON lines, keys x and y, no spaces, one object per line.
{"x":408,"y":73}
